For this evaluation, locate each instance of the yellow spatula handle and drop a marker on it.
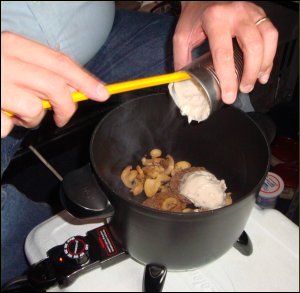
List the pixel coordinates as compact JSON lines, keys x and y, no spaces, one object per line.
{"x":127,"y":86}
{"x":141,"y":83}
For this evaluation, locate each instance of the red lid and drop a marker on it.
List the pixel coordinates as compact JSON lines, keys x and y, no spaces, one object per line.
{"x":285,"y":149}
{"x":289,"y":174}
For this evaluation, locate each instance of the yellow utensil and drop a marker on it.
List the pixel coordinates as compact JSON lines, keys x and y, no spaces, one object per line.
{"x":127,"y":86}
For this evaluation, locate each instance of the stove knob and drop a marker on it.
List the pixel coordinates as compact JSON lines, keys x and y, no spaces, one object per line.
{"x":77,"y":250}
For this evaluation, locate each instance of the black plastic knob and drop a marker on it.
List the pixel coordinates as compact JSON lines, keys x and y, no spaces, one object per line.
{"x":77,"y":250}
{"x":154,"y":278}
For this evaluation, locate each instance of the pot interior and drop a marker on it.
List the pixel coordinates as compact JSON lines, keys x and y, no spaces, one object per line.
{"x":228,"y":144}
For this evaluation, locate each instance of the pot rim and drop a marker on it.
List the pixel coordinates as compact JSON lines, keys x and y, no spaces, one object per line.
{"x":173,"y":214}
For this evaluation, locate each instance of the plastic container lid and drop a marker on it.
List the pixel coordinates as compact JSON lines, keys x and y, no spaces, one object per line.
{"x":272,"y":187}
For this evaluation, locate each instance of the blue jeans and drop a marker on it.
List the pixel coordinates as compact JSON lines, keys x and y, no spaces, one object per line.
{"x":19,"y":215}
{"x":140,"y":44}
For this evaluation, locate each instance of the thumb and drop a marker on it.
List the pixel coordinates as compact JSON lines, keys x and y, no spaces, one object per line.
{"x":184,"y":45}
{"x":182,"y":53}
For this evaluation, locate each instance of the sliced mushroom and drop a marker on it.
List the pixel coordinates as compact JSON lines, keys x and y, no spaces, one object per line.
{"x":163,"y":188}
{"x":153,"y":171}
{"x":163,"y":178}
{"x":137,"y":188}
{"x":155,"y":153}
{"x":179,"y":166}
{"x":169,"y":203}
{"x":151,"y":186}
{"x":126,"y":177}
{"x":146,"y":162}
{"x":132,"y":175}
{"x":157,"y":161}
{"x":140,"y":171}
{"x":170,"y":164}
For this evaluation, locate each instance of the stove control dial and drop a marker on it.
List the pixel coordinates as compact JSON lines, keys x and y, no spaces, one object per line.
{"x":76,"y":249}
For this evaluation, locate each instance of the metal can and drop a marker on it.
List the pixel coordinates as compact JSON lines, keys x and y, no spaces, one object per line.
{"x":204,"y":75}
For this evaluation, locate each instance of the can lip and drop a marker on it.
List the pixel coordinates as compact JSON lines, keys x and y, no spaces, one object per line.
{"x":272,"y":186}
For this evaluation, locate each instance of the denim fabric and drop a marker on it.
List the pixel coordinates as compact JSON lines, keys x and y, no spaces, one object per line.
{"x":139,"y":45}
{"x":10,"y":145}
{"x":19,"y":215}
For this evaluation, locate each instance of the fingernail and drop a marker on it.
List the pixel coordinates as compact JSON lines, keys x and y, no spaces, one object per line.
{"x":247,"y":88}
{"x":229,"y":97}
{"x":102,"y":93}
{"x":264,"y":79}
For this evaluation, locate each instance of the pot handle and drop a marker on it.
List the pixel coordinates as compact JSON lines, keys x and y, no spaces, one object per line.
{"x":154,"y":278}
{"x":82,"y":196}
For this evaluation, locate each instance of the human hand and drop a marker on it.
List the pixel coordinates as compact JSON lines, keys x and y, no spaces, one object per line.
{"x":31,"y":72}
{"x":220,"y":22}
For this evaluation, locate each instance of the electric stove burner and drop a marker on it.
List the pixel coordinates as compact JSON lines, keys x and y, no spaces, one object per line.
{"x":275,"y":257}
{"x":79,"y":254}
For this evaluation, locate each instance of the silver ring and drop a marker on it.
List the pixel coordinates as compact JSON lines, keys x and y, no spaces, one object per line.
{"x":261,"y":20}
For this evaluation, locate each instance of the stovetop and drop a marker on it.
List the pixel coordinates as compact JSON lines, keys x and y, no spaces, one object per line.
{"x":272,"y":267}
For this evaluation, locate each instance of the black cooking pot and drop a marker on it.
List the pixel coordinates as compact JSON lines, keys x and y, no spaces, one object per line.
{"x":229,"y":144}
